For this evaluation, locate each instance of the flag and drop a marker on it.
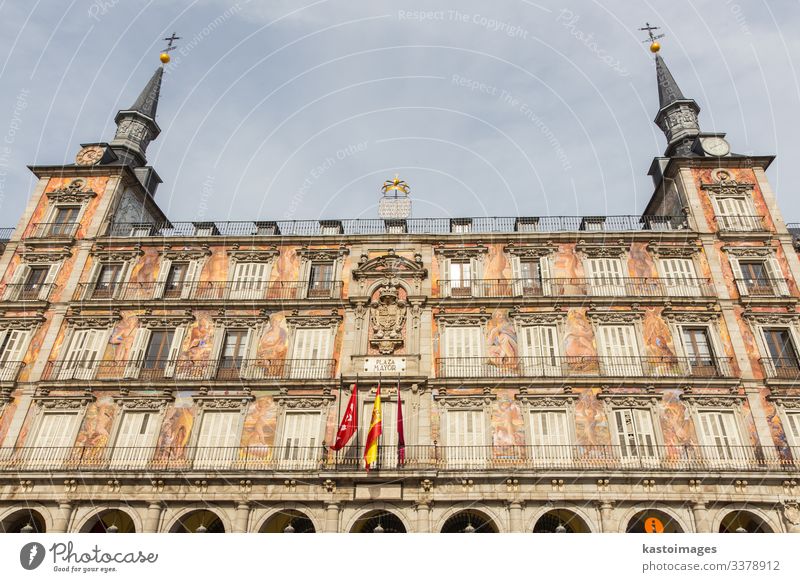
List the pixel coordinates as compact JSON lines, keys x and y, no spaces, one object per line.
{"x":401,"y":437}
{"x":349,"y":424}
{"x":371,"y":448}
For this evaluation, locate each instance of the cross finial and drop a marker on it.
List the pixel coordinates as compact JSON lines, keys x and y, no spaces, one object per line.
{"x":650,"y":29}
{"x":170,"y":41}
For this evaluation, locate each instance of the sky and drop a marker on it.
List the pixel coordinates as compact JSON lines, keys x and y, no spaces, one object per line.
{"x":302,"y":109}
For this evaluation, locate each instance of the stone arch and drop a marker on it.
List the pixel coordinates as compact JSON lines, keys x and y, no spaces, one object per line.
{"x":636,"y":521}
{"x":358,"y":521}
{"x":16,"y":518}
{"x":113,"y":518}
{"x":187,"y":520}
{"x":277,"y":521}
{"x":752,"y":520}
{"x":459,"y":519}
{"x":549,"y":519}
{"x":378,"y":521}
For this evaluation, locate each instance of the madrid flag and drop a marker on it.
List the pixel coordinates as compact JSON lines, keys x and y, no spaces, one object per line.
{"x":349,"y":424}
{"x":371,"y":448}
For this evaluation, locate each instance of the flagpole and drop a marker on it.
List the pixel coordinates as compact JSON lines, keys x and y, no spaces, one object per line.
{"x":396,"y":417}
{"x":338,"y":419}
{"x":358,"y":425}
{"x":380,"y":434}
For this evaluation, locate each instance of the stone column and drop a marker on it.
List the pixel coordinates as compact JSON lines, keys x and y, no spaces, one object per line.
{"x":606,"y":523}
{"x":701,"y":517}
{"x":332,"y":517}
{"x":153,"y":517}
{"x":423,"y":517}
{"x":515,"y":517}
{"x":242,"y":517}
{"x":61,"y":521}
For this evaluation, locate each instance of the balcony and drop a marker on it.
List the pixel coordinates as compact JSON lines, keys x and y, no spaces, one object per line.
{"x":437,"y":226}
{"x":583,"y":366}
{"x":10,"y":370}
{"x":210,"y":291}
{"x":577,"y":287}
{"x":763,"y":287}
{"x":739,"y":224}
{"x":155,"y":370}
{"x":539,"y":458}
{"x":27,"y":292}
{"x":781,"y":368}
{"x":56,"y":230}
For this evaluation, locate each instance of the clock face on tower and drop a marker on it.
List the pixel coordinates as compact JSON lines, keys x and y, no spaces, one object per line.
{"x":89,"y":155}
{"x":715,"y":146}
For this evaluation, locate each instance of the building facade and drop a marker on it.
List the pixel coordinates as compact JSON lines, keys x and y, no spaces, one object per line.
{"x":589,"y":374}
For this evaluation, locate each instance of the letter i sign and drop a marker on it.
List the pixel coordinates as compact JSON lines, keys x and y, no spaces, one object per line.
{"x":653,"y":525}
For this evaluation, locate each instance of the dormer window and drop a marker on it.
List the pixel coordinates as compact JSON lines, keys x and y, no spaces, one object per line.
{"x":64,"y":218}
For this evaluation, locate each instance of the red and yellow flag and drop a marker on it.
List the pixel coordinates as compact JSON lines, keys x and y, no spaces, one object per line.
{"x":375,"y":427}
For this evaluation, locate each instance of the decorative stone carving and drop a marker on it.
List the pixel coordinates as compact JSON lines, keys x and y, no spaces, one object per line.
{"x":724,"y":185}
{"x":322,"y":254}
{"x":689,"y":316}
{"x":80,"y":320}
{"x":388,"y":315}
{"x":550,"y":400}
{"x":465,"y":400}
{"x":713,"y":399}
{"x":304,"y":401}
{"x":390,"y":266}
{"x":681,"y":251}
{"x":445,"y":319}
{"x":461,"y":252}
{"x":313,"y":320}
{"x":761,"y":317}
{"x":530,"y":251}
{"x":63,"y":402}
{"x":74,"y":193}
{"x":186,"y":254}
{"x":23,"y":322}
{"x":538,"y":318}
{"x":253,"y":256}
{"x":150,"y":321}
{"x":248,"y":321}
{"x":749,"y":251}
{"x":630,"y":400}
{"x":46,"y":256}
{"x":100,"y":253}
{"x":615,"y":316}
{"x":144,"y":402}
{"x":791,"y":512}
{"x":602,"y":250}
{"x":212,"y":402}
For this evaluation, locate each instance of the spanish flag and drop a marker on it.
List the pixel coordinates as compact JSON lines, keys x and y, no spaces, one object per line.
{"x":371,"y":448}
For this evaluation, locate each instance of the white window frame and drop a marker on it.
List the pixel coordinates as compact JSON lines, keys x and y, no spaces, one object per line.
{"x":307,"y":448}
{"x":246,"y":280}
{"x":50,"y":453}
{"x":643,"y":452}
{"x":620,"y":364}
{"x":138,"y":454}
{"x":549,"y":453}
{"x":679,"y":281}
{"x":711,"y":450}
{"x":735,"y":222}
{"x":536,"y":362}
{"x":189,"y":285}
{"x":141,"y":343}
{"x":772,"y":268}
{"x":472,"y":365}
{"x":313,"y":366}
{"x":94,"y":274}
{"x":217,"y":456}
{"x":477,"y":452}
{"x":74,"y":365}
{"x":11,"y":358}
{"x":761,"y":340}
{"x":713,"y":334}
{"x":387,"y":443}
{"x":13,"y":290}
{"x":545,"y":278}
{"x":602,"y":281}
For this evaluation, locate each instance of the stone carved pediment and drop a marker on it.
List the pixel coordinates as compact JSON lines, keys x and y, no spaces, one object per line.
{"x":186,"y":254}
{"x":768,"y":318}
{"x":602,"y":250}
{"x":691,"y":316}
{"x":464,"y":400}
{"x":75,"y":192}
{"x":630,"y":399}
{"x":444,"y":319}
{"x":304,"y":401}
{"x":322,"y":254}
{"x":530,"y":251}
{"x":253,"y":255}
{"x":391,"y":266}
{"x":166,"y":320}
{"x":614,"y":316}
{"x":24,"y":322}
{"x":87,"y":320}
{"x":213,"y":402}
{"x":749,"y":251}
{"x":44,"y":255}
{"x":537,"y":318}
{"x":682,"y":251}
{"x":547,"y":400}
{"x":462,"y":252}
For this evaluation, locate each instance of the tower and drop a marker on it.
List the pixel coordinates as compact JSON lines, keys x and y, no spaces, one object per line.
{"x":136,"y":126}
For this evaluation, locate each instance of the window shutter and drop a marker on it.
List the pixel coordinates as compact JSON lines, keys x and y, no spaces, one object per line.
{"x":516,"y":274}
{"x":70,"y":361}
{"x":94,"y":273}
{"x":218,"y":439}
{"x":174,"y":351}
{"x":606,"y":276}
{"x":49,"y":280}
{"x":681,"y":279}
{"x":476,"y":277}
{"x":14,"y":288}
{"x":550,"y":435}
{"x":720,"y":434}
{"x":736,"y":269}
{"x":312,"y":353}
{"x":15,"y":344}
{"x":140,"y":341}
{"x":96,"y":342}
{"x":250,"y":280}
{"x":161,"y":278}
{"x":300,"y":436}
{"x":447,"y":284}
{"x":135,"y":437}
{"x":793,"y":428}
{"x":190,"y":280}
{"x":57,"y":430}
{"x":249,"y":366}
{"x":216,"y":350}
{"x":544,"y":269}
{"x":776,"y":275}
{"x":118,"y":286}
{"x":620,"y":350}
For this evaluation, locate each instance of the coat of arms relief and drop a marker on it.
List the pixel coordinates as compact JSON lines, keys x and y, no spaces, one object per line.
{"x":387,"y":318}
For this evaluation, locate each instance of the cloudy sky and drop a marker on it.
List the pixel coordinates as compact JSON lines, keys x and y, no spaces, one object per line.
{"x":301,"y":109}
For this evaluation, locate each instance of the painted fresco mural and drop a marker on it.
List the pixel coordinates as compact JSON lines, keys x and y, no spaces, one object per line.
{"x":591,"y":424}
{"x":176,"y":430}
{"x":258,"y":431}
{"x":508,"y":425}
{"x":657,"y":337}
{"x":501,"y":339}
{"x":95,"y":431}
{"x":677,"y":426}
{"x":579,"y":342}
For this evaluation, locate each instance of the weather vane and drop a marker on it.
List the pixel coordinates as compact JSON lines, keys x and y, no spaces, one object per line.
{"x":655,"y":46}
{"x":165,"y":53}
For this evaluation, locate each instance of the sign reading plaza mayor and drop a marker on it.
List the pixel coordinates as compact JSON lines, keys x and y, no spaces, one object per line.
{"x":385,"y":365}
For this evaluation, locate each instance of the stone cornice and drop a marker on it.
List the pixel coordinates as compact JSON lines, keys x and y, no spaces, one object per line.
{"x":105,"y":255}
{"x":323,"y":254}
{"x":763,"y":317}
{"x":614,"y":316}
{"x":207,"y":401}
{"x":253,"y":255}
{"x":390,"y":265}
{"x":88,"y":320}
{"x":33,"y":255}
{"x":713,"y":399}
{"x":691,"y":316}
{"x":537,"y":318}
{"x":461,"y":252}
{"x":530,"y":251}
{"x":186,"y":254}
{"x":465,"y":400}
{"x":549,"y":400}
{"x":21,"y":322}
{"x":444,"y":319}
{"x":150,"y":321}
{"x":749,"y":251}
{"x":630,"y":399}
{"x":683,"y":251}
{"x":603,"y":249}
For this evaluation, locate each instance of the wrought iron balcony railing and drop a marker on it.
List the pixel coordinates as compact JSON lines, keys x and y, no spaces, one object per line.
{"x":360,"y":226}
{"x":781,"y":368}
{"x":27,"y":292}
{"x":222,"y":369}
{"x":10,"y":370}
{"x":576,"y":366}
{"x":578,"y":287}
{"x":763,"y":287}
{"x":741,"y":224}
{"x":59,"y":230}
{"x":210,"y":291}
{"x":722,"y":457}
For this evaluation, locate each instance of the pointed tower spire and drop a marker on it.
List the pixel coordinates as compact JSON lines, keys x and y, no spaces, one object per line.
{"x":147,"y":101}
{"x":677,"y":115}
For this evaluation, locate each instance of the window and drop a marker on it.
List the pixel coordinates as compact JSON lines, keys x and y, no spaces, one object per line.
{"x":13,"y":346}
{"x":720,"y":435}
{"x":86,"y":349}
{"x":301,"y":432}
{"x":173,"y":286}
{"x":31,"y":282}
{"x":135,"y":439}
{"x":782,"y":362}
{"x":680,"y":277}
{"x":620,"y":351}
{"x":550,"y":436}
{"x":635,"y":433}
{"x":540,"y":348}
{"x":63,"y":221}
{"x":463,"y":351}
{"x":460,"y":225}
{"x":234,"y":351}
{"x":531,"y":276}
{"x":460,"y":278}
{"x":55,"y":436}
{"x":792,"y":428}
{"x":107,"y":278}
{"x":320,"y":283}
{"x":311,"y":356}
{"x":759,"y":277}
{"x":606,"y":277}
{"x":250,"y":280}
{"x":218,"y":440}
{"x":156,"y":351}
{"x":466,"y":438}
{"x":699,"y":351}
{"x":736,"y":215}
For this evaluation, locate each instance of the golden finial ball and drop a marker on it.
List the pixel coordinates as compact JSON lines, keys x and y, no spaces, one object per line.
{"x":165,"y":57}
{"x":655,"y":47}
